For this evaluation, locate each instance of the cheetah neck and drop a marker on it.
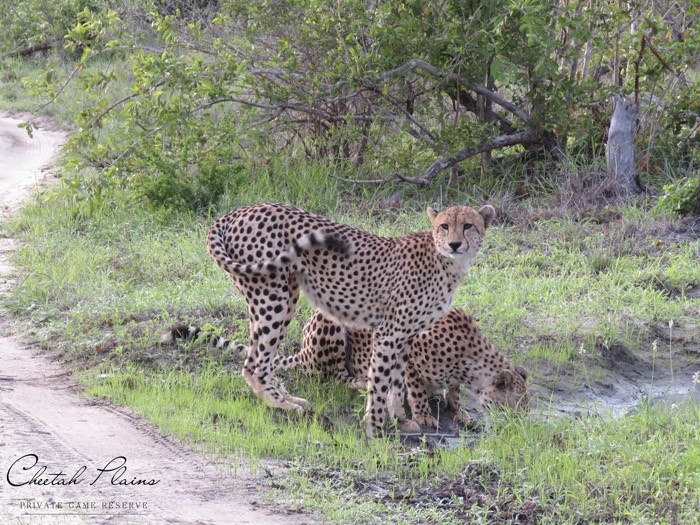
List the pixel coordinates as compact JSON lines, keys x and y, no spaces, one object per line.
{"x":456,"y":269}
{"x":479,"y":368}
{"x":480,"y":381}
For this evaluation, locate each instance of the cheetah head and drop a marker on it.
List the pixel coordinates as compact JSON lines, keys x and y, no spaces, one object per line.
{"x":507,"y":389}
{"x":459,"y":231}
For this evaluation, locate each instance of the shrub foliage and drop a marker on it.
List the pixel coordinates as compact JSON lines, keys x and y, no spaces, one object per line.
{"x":173,"y":93}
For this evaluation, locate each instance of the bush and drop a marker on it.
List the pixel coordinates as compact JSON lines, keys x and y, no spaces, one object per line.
{"x":395,"y":91}
{"x":683,"y":197}
{"x":33,"y":22}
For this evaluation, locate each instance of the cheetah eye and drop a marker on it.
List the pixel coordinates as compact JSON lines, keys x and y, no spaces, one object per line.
{"x":468,"y":227}
{"x":445,"y":227}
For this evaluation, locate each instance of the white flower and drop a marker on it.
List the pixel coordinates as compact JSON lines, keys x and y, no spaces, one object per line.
{"x":696,"y":378}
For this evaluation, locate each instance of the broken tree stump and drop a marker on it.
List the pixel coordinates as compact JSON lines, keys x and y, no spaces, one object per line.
{"x":619,"y":150}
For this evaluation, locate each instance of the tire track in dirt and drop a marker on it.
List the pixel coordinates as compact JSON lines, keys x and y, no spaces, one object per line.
{"x":103,"y":464}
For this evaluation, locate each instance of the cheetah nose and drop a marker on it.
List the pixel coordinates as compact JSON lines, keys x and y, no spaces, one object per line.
{"x":455,"y":245}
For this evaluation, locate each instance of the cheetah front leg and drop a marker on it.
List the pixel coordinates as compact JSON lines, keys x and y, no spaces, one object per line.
{"x":461,"y":416}
{"x":378,"y":383}
{"x":397,"y":390}
{"x":385,"y":384}
{"x":418,"y":399}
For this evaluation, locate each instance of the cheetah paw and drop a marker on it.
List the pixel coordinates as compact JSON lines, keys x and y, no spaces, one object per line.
{"x":408,"y":425}
{"x":275,"y":399}
{"x":426,"y":421}
{"x":462,"y":417}
{"x":300,"y":401}
{"x":395,"y":407}
{"x":303,"y":403}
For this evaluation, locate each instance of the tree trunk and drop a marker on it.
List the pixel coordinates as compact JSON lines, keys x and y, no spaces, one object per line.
{"x":619,"y":151}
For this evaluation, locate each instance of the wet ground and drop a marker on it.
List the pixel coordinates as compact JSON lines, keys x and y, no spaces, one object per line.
{"x":613,"y":382}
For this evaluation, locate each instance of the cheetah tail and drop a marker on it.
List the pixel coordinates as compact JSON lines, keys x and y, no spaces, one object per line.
{"x":285,"y":362}
{"x":181,"y":331}
{"x":218,"y":251}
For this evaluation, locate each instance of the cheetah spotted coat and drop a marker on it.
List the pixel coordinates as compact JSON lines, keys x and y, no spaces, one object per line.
{"x":451,"y":352}
{"x":397,"y":286}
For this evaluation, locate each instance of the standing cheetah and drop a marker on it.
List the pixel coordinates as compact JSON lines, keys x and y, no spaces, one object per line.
{"x":451,"y":352}
{"x":396,"y":286}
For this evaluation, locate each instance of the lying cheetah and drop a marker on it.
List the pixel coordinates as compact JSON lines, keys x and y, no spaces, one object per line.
{"x":451,"y":352}
{"x":396,"y":286}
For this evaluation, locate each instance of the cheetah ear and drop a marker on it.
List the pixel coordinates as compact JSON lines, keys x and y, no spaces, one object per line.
{"x":504,"y":379}
{"x":431,"y":214}
{"x":522,"y":371}
{"x":488,"y":213}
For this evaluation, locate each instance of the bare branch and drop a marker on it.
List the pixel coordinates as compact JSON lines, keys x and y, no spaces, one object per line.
{"x":26,"y":51}
{"x":474,"y":86}
{"x":58,"y":93}
{"x":365,"y":181}
{"x":653,"y":49}
{"x":294,"y":106}
{"x":422,"y":133}
{"x":268,"y":118}
{"x":468,"y":102}
{"x":128,"y":150}
{"x":268,"y":107}
{"x":523,"y":137}
{"x":119,"y":102}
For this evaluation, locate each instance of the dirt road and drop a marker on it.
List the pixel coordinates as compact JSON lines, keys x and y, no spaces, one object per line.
{"x":65,"y":459}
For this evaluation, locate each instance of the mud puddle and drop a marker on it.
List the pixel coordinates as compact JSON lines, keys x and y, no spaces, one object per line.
{"x":619,"y":379}
{"x":615,"y":382}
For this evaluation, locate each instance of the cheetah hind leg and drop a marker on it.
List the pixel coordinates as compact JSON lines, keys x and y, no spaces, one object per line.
{"x":258,"y":369}
{"x":269,"y":393}
{"x":265,"y":385}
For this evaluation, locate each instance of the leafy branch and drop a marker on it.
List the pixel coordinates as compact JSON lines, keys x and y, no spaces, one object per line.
{"x":452,"y":77}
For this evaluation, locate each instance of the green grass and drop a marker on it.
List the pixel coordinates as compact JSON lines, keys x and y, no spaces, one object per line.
{"x":99,"y":287}
{"x":13,"y":95}
{"x":593,"y":468}
{"x":642,"y":466}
